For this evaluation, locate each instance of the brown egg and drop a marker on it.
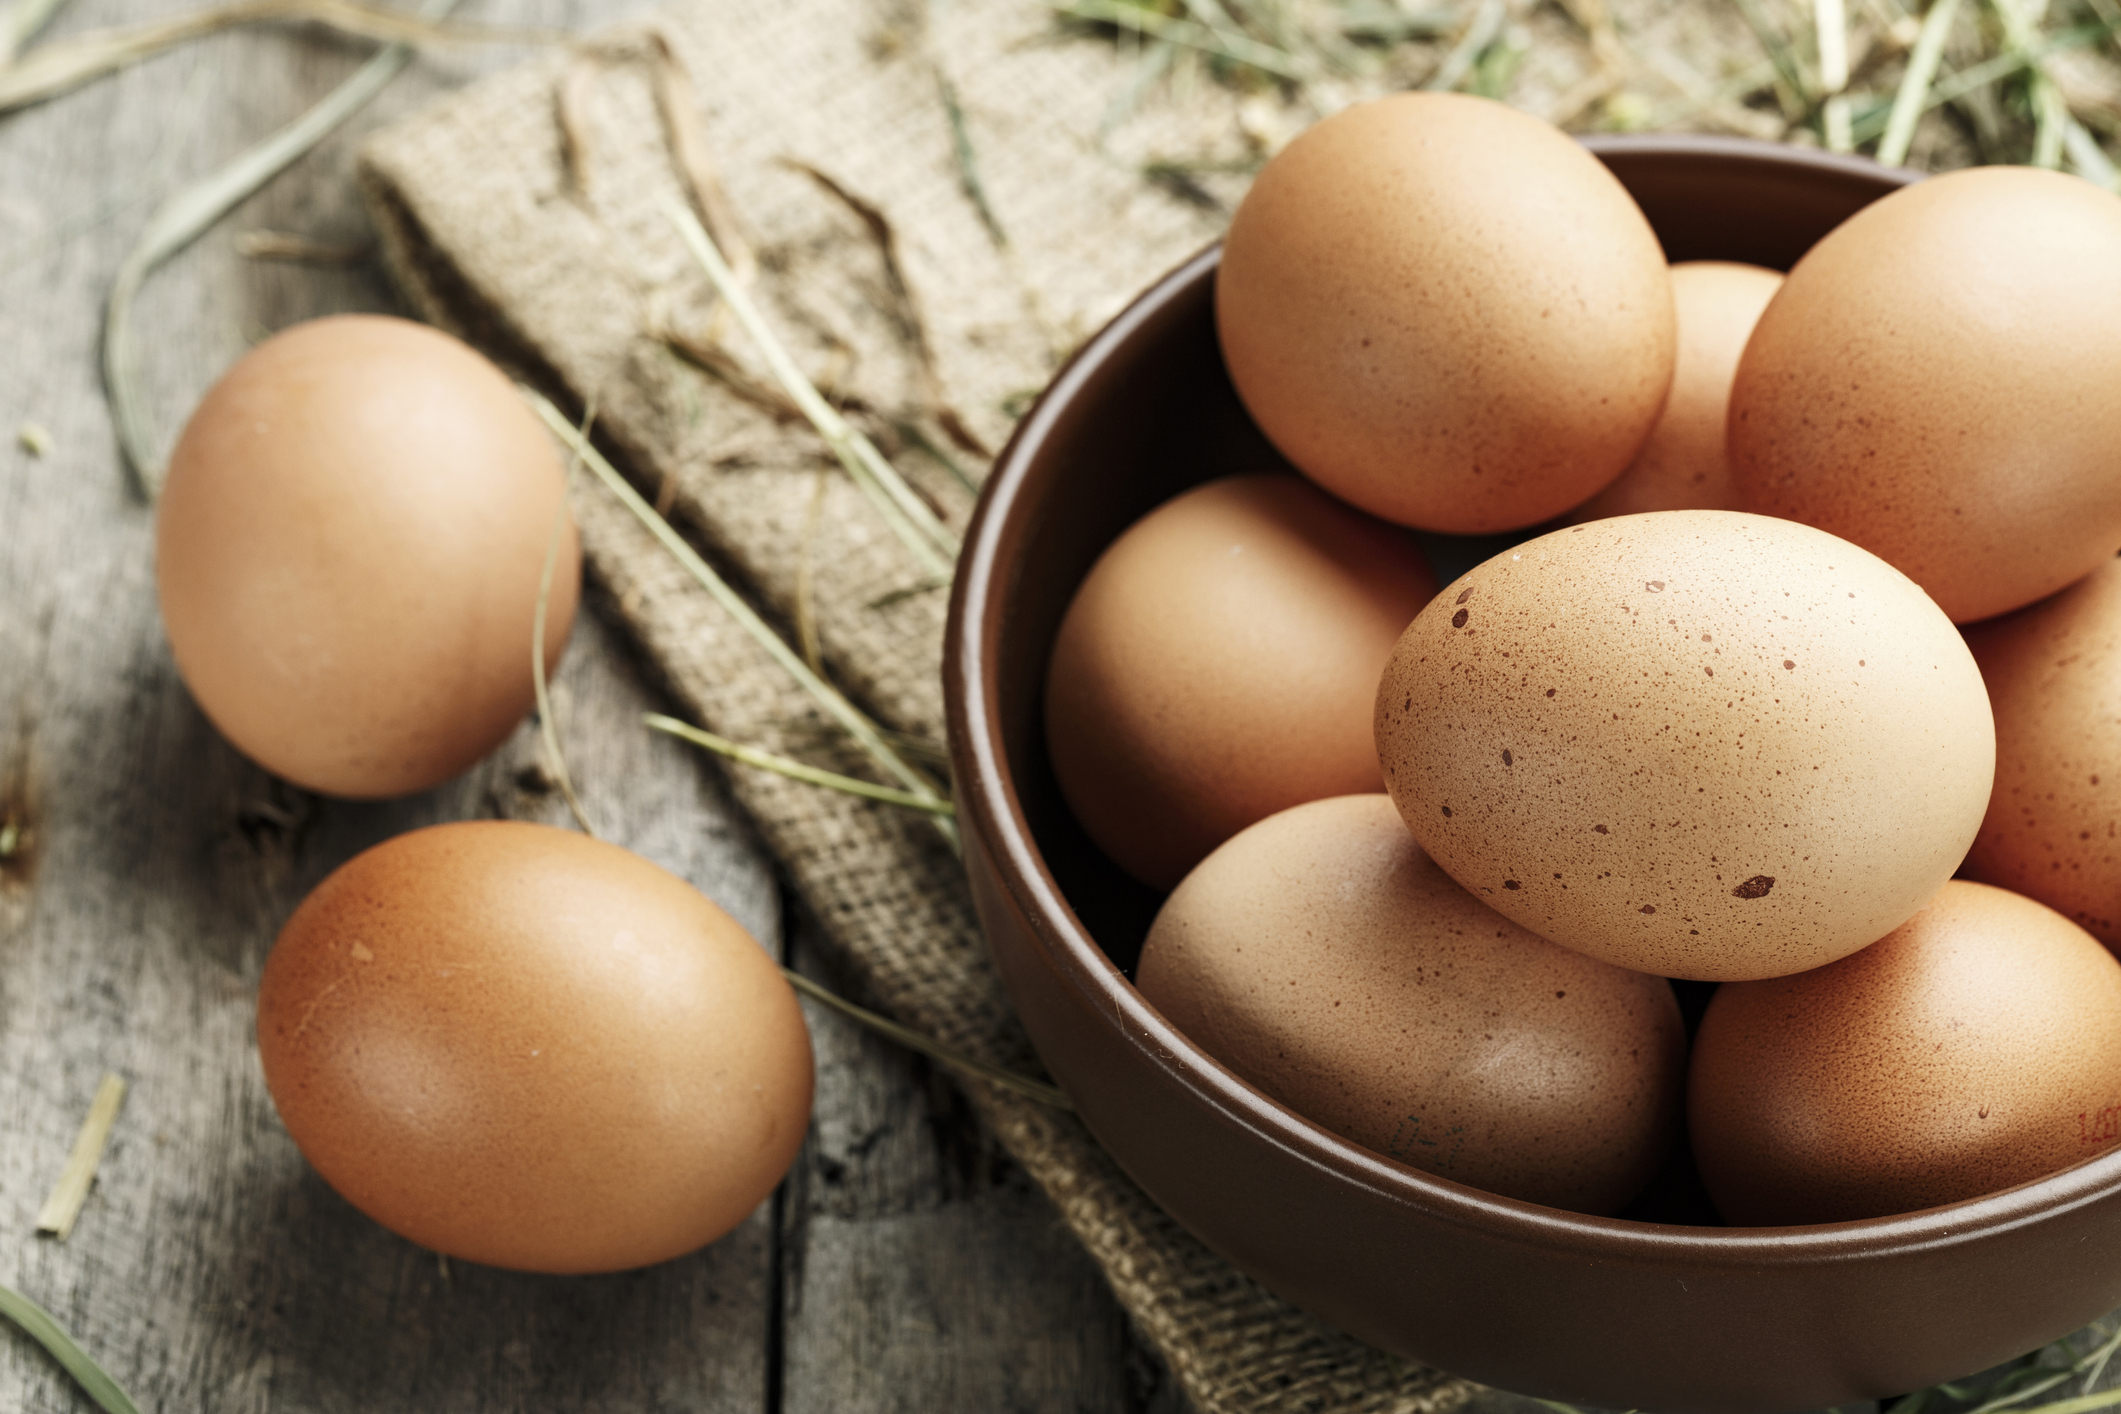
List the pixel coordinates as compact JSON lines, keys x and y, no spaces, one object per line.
{"x":520,"y":1046}
{"x":1696,"y":743}
{"x":1936,"y":383}
{"x":1218,"y":665}
{"x":1446,"y":312}
{"x":348,"y":552}
{"x":1682,"y":467}
{"x":2053,"y":831}
{"x":1975,"y":1047}
{"x":1323,"y":958}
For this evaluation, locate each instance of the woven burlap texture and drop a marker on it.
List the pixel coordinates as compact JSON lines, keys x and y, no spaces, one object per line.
{"x":546,"y":240}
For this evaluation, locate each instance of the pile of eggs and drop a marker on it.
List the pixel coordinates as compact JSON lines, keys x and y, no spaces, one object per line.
{"x":1432,"y":856}
{"x":510,"y":1043}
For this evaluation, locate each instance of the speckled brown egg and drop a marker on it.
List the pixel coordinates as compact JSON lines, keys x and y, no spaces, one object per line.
{"x":1322,"y":957}
{"x":1975,"y":1047}
{"x":2053,"y":831}
{"x":1936,"y":382}
{"x":1683,"y":467}
{"x":1447,"y":313}
{"x":520,"y":1046}
{"x":349,"y":549}
{"x":1218,"y":664}
{"x":1698,"y":743}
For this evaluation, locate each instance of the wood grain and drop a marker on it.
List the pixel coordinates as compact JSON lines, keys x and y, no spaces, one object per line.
{"x":905,"y":1265}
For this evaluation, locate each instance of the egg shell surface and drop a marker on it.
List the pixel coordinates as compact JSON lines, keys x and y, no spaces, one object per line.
{"x":1218,"y":664}
{"x":1447,"y":313}
{"x":348,"y":552}
{"x":1683,"y":467}
{"x":1975,"y":1047}
{"x":1697,"y":743}
{"x":1323,"y":958}
{"x":1935,"y":382}
{"x":521,"y":1046}
{"x":2053,"y":829}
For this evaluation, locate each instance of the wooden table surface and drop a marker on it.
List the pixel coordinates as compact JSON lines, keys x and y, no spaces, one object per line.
{"x":905,"y":1265}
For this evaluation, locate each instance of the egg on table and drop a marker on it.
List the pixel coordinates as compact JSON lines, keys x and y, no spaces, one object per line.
{"x":524,"y":1047}
{"x":349,"y":550}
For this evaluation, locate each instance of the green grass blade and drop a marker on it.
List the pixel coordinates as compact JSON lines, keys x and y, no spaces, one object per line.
{"x":41,"y":1327}
{"x":190,"y":213}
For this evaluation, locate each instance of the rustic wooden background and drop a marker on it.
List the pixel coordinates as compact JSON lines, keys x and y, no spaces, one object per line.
{"x":905,"y":1265}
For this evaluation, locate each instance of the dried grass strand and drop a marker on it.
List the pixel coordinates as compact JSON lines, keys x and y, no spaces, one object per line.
{"x":58,"y":68}
{"x":684,"y":131}
{"x":185,"y":216}
{"x":1187,"y":34}
{"x":914,"y":1041}
{"x":912,"y":318}
{"x":925,"y":537}
{"x":793,"y":769}
{"x":837,"y":707}
{"x":1912,"y":98}
{"x":21,"y":23}
{"x":63,"y":1207}
{"x":548,"y":722}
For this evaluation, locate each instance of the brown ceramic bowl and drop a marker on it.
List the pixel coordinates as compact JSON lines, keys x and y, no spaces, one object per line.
{"x":1658,"y":1309}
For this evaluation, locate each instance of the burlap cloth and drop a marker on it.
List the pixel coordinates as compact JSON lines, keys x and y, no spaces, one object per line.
{"x":1014,"y":168}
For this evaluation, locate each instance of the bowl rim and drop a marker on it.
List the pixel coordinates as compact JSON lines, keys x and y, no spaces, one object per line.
{"x":987,"y":794}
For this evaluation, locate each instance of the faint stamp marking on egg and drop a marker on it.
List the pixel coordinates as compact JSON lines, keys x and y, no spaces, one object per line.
{"x":2099,"y":1126}
{"x":1755,"y":887}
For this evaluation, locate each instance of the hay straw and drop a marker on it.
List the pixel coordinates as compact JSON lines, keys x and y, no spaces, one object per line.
{"x":1913,"y":96}
{"x":1830,"y":20}
{"x":548,"y":723}
{"x":299,"y":249}
{"x":795,"y":770}
{"x":63,"y":1207}
{"x":41,"y":1327}
{"x":828,"y":698}
{"x":20,"y":24}
{"x":185,"y":216}
{"x":925,"y":537}
{"x":1189,"y":34}
{"x":1480,"y":32}
{"x":913,"y":1040}
{"x":58,"y":68}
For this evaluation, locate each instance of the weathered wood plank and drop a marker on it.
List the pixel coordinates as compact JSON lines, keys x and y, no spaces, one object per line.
{"x":909,"y":1265}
